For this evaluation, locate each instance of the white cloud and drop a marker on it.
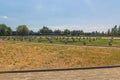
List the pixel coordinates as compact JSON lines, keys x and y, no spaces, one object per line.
{"x":4,"y":17}
{"x":85,"y":27}
{"x":34,"y":29}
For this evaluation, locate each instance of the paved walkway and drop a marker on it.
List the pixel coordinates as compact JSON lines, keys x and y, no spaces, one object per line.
{"x":93,"y":74}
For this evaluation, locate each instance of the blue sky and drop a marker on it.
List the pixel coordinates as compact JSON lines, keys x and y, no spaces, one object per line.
{"x":88,"y":15}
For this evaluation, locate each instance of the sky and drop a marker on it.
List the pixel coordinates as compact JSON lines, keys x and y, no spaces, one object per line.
{"x":87,"y":15}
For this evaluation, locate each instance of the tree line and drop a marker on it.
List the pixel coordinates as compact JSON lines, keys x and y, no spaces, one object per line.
{"x":23,"y":30}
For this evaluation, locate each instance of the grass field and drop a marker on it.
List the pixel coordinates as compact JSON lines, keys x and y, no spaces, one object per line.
{"x":25,"y":55}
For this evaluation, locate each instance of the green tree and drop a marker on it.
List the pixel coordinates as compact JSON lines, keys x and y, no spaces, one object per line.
{"x":31,"y":32}
{"x":119,"y":31}
{"x":108,"y":32}
{"x":5,"y":30}
{"x":58,"y":31}
{"x":93,"y":33}
{"x":45,"y":30}
{"x":66,"y":32}
{"x":77,"y":32}
{"x":22,"y":30}
{"x":9,"y":31}
{"x":103,"y":33}
{"x":114,"y":31}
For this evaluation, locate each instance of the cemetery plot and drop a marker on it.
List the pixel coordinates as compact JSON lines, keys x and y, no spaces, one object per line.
{"x":75,"y":40}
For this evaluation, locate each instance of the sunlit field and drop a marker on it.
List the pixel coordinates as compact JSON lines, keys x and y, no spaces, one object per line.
{"x":17,"y":55}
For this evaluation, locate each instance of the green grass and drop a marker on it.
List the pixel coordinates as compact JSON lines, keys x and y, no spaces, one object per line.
{"x":101,"y":42}
{"x":98,"y":42}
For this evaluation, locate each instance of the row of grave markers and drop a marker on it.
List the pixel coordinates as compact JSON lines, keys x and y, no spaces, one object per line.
{"x":58,"y":38}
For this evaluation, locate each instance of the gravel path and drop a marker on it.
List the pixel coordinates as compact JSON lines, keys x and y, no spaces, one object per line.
{"x":92,"y":74}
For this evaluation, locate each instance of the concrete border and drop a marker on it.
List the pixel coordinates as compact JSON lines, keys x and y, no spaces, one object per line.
{"x":62,"y":69}
{"x":78,"y":45}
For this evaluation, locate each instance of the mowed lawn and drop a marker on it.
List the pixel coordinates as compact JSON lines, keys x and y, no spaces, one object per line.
{"x":25,"y":56}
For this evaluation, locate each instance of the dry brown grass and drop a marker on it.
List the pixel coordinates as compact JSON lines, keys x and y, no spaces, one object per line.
{"x":20,"y":56}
